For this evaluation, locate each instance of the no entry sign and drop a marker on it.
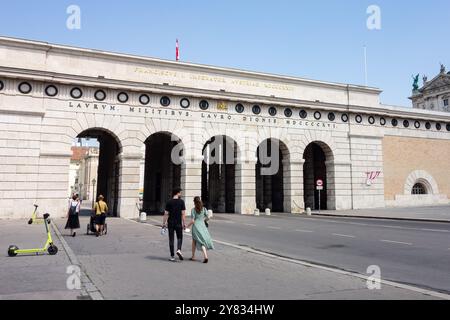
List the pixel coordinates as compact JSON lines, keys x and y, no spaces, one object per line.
{"x":319,"y":183}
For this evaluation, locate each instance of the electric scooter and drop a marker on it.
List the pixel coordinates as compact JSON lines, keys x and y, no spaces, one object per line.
{"x":48,"y":247}
{"x":34,"y":218}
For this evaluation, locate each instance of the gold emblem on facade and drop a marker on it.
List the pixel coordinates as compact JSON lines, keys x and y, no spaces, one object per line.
{"x":222,"y":106}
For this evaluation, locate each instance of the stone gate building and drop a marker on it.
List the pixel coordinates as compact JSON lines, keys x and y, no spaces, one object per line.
{"x":142,"y":110}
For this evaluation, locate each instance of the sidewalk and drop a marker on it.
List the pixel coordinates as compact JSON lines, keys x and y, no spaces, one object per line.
{"x":32,"y":277}
{"x":436,"y":214}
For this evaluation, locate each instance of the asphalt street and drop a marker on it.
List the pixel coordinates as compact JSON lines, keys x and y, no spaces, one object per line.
{"x":416,"y":253}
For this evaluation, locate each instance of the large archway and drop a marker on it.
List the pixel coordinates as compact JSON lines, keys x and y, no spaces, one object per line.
{"x":219,"y":174}
{"x":271,"y":166}
{"x":315,"y":168}
{"x":161,"y":174}
{"x":98,"y":168}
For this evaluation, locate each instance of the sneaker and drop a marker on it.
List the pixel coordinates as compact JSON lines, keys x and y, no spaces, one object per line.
{"x":180,"y":255}
{"x":172,"y":259}
{"x":74,"y":234}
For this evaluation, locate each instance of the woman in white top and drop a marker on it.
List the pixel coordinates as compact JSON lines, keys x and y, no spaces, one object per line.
{"x":73,"y":221}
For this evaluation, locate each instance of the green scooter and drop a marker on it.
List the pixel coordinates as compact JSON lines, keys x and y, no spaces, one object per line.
{"x":48,"y":247}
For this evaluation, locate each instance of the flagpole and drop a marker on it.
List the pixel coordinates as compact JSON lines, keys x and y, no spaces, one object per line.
{"x":365,"y":65}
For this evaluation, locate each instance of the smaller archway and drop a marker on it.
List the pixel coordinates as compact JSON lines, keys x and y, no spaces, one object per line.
{"x":271,"y":166}
{"x":219,"y":174}
{"x":161,"y":173}
{"x":317,"y":155}
{"x":99,"y":167}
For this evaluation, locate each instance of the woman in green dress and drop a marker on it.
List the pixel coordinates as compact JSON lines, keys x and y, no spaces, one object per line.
{"x":201,"y":239}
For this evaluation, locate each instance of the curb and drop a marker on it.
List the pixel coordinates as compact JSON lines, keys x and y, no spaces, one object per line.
{"x":88,"y":287}
{"x":379,"y":218}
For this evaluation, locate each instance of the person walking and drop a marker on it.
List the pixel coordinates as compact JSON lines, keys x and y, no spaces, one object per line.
{"x":73,"y":220}
{"x":175,"y":220}
{"x":201,"y":239}
{"x":100,"y":211}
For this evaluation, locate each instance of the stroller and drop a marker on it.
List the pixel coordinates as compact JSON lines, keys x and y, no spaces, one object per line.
{"x":91,"y":227}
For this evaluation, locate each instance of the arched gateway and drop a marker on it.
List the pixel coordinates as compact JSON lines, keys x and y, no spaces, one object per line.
{"x":135,"y":106}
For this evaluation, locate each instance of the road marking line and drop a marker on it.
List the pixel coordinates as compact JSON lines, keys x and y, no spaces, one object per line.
{"x":274,"y":228}
{"x":435,"y":230}
{"x":329,"y":269}
{"x":343,"y":235}
{"x":397,"y":242}
{"x":304,"y":231}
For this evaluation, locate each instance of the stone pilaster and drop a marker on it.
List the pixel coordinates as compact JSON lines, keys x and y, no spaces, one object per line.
{"x":129,"y":180}
{"x":191,"y":181}
{"x":246,"y":187}
{"x":339,"y":193}
{"x":293,"y":186}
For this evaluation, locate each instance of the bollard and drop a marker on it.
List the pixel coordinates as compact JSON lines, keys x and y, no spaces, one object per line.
{"x":308,"y":212}
{"x":256,"y":212}
{"x":143,"y":217}
{"x":268,"y":212}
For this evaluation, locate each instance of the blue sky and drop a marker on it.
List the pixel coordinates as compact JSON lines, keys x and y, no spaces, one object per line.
{"x":318,"y":39}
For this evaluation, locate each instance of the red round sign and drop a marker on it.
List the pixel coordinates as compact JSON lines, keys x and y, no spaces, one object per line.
{"x":319,"y":183}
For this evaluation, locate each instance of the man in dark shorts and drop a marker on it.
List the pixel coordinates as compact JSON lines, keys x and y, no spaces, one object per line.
{"x":174,"y":220}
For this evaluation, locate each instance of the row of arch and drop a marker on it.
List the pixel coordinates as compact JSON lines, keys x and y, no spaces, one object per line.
{"x":219,"y":175}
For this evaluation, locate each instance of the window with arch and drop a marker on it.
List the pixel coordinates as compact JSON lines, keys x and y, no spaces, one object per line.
{"x":419,"y":189}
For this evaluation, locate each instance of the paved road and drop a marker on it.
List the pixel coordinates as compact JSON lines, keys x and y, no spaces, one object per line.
{"x":415,"y":253}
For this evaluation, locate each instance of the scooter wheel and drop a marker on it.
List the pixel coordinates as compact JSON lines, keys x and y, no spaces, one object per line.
{"x":52,"y":250}
{"x":87,"y":229}
{"x":30,"y":221}
{"x":12,"y":251}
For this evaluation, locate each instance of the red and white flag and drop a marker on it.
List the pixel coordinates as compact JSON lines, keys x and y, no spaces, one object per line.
{"x":177,"y":51}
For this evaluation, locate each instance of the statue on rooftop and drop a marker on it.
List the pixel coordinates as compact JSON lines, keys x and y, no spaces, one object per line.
{"x":416,"y":82}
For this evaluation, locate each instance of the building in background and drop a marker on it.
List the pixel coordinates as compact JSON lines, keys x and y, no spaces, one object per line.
{"x":435,"y":94}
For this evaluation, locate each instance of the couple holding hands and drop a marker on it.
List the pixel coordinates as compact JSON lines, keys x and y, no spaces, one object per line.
{"x":174,"y":221}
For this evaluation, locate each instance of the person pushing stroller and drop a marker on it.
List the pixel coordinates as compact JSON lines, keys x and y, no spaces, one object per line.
{"x":99,"y":211}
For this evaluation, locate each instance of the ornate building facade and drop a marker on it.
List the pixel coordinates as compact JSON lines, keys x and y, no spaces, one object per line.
{"x":435,"y":94}
{"x":163,"y":124}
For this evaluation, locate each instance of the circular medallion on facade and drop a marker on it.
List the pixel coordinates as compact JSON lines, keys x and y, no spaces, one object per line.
{"x":371,"y":120}
{"x":358,"y":118}
{"x":428,"y":125}
{"x":240,"y":108}
{"x":303,"y":114}
{"x":438,"y":126}
{"x":25,"y":87}
{"x":100,"y":95}
{"x":165,"y":101}
{"x":51,"y":91}
{"x":406,"y":123}
{"x":256,"y":109}
{"x":76,"y":93}
{"x":288,"y":112}
{"x":417,"y":124}
{"x":122,"y":97}
{"x":317,"y":115}
{"x":394,"y":122}
{"x":344,"y":117}
{"x":382,"y":121}
{"x":2,"y":85}
{"x":185,"y":103}
{"x":331,"y":116}
{"x":204,"y":105}
{"x":144,"y":99}
{"x":273,"y":111}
